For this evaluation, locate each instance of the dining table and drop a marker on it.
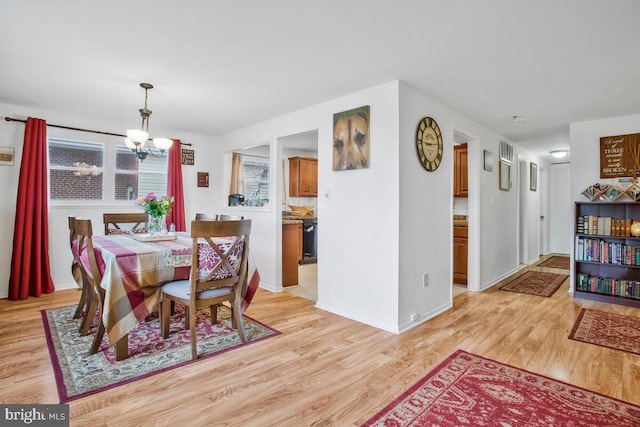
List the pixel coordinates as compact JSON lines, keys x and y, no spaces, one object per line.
{"x":134,"y":268}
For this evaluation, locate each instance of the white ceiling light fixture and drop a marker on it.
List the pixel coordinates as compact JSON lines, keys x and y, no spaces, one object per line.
{"x":559,"y":154}
{"x":517,"y":119}
{"x":137,"y":139}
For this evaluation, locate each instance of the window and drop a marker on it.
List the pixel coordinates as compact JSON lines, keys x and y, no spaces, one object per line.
{"x":79,"y":171}
{"x":135,"y":178}
{"x":76,"y":170}
{"x":255,"y":171}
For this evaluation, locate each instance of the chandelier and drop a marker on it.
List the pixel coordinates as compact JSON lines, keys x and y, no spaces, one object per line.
{"x":138,"y":139}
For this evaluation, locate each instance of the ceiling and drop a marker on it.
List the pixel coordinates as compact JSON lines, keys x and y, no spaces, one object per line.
{"x":221,"y":65}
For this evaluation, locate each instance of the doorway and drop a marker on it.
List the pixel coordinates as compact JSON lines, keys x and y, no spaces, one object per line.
{"x":529,"y":216}
{"x":460,"y":213}
{"x":522,"y":209}
{"x":303,"y":145}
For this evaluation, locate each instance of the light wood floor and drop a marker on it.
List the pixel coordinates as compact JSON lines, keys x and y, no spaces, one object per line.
{"x":307,"y":286}
{"x":324,"y":370}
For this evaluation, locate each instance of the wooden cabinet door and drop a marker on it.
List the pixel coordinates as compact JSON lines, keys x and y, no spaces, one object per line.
{"x":303,"y":177}
{"x":308,"y":178}
{"x":460,"y":255}
{"x":461,"y":171}
{"x":291,"y":250}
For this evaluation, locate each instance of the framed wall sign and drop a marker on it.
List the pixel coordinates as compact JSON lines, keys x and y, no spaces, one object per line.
{"x":203,"y":179}
{"x":505,"y":176}
{"x":620,"y":155}
{"x":188,"y":156}
{"x":533,"y":176}
{"x":6,"y":156}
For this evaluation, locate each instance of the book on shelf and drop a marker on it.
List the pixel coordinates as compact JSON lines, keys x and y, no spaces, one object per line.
{"x":603,"y":225}
{"x":608,"y":286}
{"x":605,"y":252}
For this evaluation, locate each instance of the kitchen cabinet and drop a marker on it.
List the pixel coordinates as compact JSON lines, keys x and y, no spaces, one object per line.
{"x":291,"y":251}
{"x":460,"y":171}
{"x":303,"y":177}
{"x":460,"y":239}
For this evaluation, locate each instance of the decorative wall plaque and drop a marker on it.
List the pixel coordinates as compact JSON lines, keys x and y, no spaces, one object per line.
{"x":203,"y":179}
{"x":6,"y":155}
{"x":188,"y":156}
{"x":620,"y":156}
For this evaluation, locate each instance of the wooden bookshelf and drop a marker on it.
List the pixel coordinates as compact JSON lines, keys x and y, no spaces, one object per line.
{"x":606,"y":256}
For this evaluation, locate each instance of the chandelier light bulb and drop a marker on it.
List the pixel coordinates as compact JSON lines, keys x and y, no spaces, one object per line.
{"x":129,"y":143}
{"x":162,"y":144}
{"x":137,"y":136}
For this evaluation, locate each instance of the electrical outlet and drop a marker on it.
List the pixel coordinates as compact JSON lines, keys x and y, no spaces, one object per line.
{"x":425,"y":280}
{"x":413,"y":317}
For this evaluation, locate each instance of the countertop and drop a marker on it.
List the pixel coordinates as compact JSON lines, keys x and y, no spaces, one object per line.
{"x":286,"y":221}
{"x":460,"y":221}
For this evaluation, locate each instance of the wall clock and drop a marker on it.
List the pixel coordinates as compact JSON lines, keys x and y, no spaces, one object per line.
{"x":429,"y":143}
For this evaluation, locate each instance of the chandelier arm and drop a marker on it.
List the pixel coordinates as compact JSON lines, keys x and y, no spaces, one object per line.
{"x":150,"y":150}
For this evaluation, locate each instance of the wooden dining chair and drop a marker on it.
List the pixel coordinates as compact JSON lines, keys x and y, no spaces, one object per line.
{"x":206,"y":217}
{"x":223,"y":217}
{"x":76,"y":272}
{"x":211,"y":284}
{"x":125,"y":223}
{"x":92,"y":276}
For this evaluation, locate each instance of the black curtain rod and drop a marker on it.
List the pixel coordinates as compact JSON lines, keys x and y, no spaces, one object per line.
{"x":10,"y":119}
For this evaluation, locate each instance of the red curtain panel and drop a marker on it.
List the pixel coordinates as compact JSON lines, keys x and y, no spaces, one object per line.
{"x":175,"y":187}
{"x":30,"y":270}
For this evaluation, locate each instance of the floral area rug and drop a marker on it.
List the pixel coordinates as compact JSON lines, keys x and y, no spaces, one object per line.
{"x":556,"y":261}
{"x":470,"y":390}
{"x":536,"y":283}
{"x":79,"y":374}
{"x":611,"y":330}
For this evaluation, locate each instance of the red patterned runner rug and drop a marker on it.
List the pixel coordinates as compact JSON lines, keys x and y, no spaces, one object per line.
{"x":469,"y":390}
{"x":611,"y":330}
{"x":556,"y":261}
{"x":536,"y":283}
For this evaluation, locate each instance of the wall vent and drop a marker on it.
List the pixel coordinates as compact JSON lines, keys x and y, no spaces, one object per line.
{"x":506,"y":152}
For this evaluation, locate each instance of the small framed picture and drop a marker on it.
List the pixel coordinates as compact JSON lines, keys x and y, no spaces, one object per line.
{"x":203,"y":179}
{"x":6,"y":156}
{"x":188,"y":156}
{"x":488,"y":161}
{"x":505,"y":176}
{"x":533,"y":176}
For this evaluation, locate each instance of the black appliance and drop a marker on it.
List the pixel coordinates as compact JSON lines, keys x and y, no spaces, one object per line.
{"x":309,"y":241}
{"x":236,"y":199}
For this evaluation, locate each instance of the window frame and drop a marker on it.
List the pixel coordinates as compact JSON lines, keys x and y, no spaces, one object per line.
{"x":110,"y":145}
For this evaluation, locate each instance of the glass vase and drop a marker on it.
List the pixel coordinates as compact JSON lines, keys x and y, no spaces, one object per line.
{"x":156,"y":224}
